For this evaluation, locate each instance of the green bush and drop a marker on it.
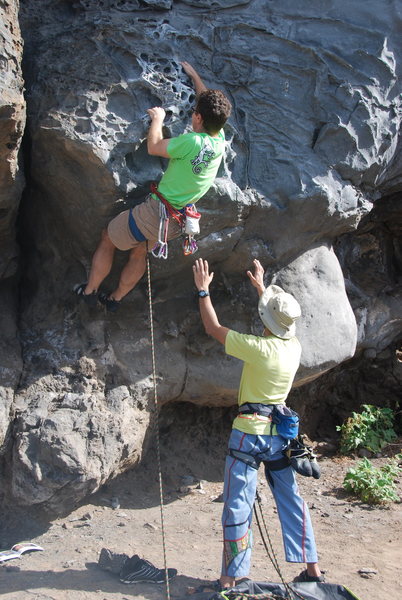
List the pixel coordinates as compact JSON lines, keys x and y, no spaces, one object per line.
{"x":371,"y":484}
{"x":372,"y":429}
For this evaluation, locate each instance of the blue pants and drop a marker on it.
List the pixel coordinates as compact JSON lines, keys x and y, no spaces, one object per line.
{"x":239,"y":495}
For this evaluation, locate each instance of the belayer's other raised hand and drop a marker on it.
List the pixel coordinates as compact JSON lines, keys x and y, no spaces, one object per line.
{"x":257,"y":278}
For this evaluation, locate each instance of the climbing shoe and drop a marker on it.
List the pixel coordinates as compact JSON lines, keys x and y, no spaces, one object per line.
{"x":301,"y":465}
{"x":111,"y":304}
{"x":302,"y":459}
{"x":138,"y":570}
{"x":315,"y":468}
{"x":111,"y":561}
{"x":304,"y":576}
{"x":89,"y":299}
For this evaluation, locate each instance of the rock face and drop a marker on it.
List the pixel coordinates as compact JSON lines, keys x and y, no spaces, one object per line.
{"x":12,"y":123}
{"x":311,"y":185}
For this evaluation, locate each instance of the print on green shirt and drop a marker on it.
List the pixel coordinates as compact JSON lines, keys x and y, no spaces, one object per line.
{"x":194,"y":163}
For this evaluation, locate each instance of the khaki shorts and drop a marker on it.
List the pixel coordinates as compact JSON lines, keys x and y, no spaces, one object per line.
{"x":147,"y":218}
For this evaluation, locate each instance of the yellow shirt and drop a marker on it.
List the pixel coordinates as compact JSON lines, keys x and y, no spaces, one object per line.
{"x":270,"y":365}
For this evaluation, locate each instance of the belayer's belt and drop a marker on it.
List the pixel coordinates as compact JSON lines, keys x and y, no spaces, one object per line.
{"x":257,"y":408}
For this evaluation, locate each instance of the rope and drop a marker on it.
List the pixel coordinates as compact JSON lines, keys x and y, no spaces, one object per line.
{"x":158,"y":453}
{"x":271,"y":552}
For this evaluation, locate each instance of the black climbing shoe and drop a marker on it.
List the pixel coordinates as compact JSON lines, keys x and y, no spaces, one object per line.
{"x":302,"y":459}
{"x":315,"y":468}
{"x":111,"y":561}
{"x":111,"y":304}
{"x":138,"y":570}
{"x":304,"y":576}
{"x":89,"y":299}
{"x":301,"y":466}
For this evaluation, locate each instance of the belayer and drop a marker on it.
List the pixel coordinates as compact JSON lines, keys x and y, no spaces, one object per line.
{"x":194,"y":161}
{"x":270,"y":364}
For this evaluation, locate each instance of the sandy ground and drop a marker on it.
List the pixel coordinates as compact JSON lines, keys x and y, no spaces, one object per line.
{"x":351,"y":536}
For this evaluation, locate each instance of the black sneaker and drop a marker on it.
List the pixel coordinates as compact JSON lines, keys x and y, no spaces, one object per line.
{"x":89,"y":299}
{"x":111,"y":561}
{"x":111,"y":304}
{"x":138,"y":570}
{"x":304,"y":576}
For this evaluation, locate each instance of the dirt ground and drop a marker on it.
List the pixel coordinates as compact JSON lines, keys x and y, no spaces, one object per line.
{"x":125,"y":516}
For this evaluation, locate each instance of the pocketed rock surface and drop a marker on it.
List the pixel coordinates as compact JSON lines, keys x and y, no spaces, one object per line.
{"x":359,"y":545}
{"x":310,"y":185}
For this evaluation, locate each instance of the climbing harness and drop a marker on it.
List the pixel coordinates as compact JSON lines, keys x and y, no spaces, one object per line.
{"x":294,"y":448}
{"x":188,"y":219}
{"x":156,"y":407}
{"x":285,"y":419}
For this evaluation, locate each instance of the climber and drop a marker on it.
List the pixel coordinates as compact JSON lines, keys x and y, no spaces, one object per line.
{"x":194,"y":161}
{"x":270,"y":364}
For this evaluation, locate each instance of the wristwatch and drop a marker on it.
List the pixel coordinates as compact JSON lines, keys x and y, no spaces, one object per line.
{"x":202,"y":293}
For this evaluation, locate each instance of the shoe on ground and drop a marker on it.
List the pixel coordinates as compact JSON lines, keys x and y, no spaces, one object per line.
{"x":111,"y":561}
{"x":138,"y":570}
{"x":89,"y":299}
{"x":111,"y":304}
{"x":304,"y":576}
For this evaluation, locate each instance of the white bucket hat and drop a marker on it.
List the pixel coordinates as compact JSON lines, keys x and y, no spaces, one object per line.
{"x":278,"y":311}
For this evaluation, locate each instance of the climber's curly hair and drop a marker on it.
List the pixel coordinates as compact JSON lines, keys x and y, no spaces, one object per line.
{"x":214,"y":108}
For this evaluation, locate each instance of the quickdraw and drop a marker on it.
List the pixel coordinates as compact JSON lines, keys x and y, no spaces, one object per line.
{"x":167,"y":211}
{"x":160,"y":250}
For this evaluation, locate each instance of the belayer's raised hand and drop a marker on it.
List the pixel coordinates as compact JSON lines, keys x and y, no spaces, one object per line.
{"x":202,"y":276}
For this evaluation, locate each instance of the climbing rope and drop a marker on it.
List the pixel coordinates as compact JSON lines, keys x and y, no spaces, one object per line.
{"x":290,"y":592}
{"x":156,"y":405}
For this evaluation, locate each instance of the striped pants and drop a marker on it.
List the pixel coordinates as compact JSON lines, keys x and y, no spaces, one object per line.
{"x":239,"y":495}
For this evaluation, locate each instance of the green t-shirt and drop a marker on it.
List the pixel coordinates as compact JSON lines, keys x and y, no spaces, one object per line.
{"x":194,"y":163}
{"x":270,"y":365}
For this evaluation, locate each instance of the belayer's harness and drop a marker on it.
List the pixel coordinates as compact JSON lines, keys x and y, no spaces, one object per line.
{"x":187,"y":218}
{"x":285,"y":419}
{"x":297,"y":455}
